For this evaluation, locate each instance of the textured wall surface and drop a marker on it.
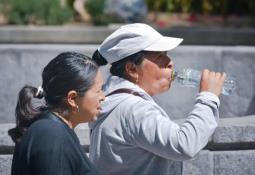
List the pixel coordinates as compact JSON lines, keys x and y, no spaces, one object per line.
{"x":90,"y":34}
{"x":23,"y":64}
{"x":231,"y":150}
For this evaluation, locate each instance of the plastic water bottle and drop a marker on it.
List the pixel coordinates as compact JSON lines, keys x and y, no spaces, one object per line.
{"x":191,"y":78}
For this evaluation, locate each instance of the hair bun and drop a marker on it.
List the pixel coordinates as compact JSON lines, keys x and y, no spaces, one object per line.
{"x":99,"y":59}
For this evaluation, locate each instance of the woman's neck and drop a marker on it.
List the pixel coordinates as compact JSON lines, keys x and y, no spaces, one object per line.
{"x":68,"y":122}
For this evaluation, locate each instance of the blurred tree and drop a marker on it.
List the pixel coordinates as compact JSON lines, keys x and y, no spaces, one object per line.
{"x":220,"y":7}
{"x":98,"y":16}
{"x":38,"y":12}
{"x":3,"y":6}
{"x":96,"y":11}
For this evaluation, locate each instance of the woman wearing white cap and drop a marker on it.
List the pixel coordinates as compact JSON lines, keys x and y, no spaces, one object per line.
{"x":133,"y":135}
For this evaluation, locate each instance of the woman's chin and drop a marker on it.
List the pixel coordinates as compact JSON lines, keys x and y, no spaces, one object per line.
{"x":94,"y":118}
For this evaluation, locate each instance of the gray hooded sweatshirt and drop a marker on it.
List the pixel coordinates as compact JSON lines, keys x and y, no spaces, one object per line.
{"x":133,"y":135}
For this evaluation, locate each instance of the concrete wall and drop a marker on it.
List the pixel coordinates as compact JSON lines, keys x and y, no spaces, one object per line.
{"x":22,"y":64}
{"x":90,"y":34}
{"x":231,"y":150}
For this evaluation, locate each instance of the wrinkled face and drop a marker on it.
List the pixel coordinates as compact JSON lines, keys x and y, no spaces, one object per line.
{"x":154,"y":74}
{"x":89,"y":104}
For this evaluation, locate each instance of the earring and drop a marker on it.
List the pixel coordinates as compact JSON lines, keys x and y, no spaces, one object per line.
{"x":137,"y":79}
{"x":77,"y":108}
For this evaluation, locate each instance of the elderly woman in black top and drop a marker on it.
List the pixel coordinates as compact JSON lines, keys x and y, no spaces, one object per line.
{"x":45,"y":141}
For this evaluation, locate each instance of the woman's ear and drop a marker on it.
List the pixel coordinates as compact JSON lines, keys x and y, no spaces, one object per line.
{"x":131,"y":72}
{"x":72,"y":98}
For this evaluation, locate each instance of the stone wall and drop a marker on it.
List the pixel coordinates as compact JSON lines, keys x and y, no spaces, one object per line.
{"x":231,"y":150}
{"x":22,"y":64}
{"x":90,"y":34}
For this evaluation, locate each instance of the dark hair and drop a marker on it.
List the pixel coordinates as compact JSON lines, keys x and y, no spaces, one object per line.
{"x":68,"y":71}
{"x":118,"y":67}
{"x":99,"y":59}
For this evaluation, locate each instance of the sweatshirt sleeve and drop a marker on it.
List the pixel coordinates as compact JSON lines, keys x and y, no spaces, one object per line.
{"x":151,"y":129}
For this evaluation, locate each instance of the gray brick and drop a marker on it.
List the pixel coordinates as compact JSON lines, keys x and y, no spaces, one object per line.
{"x":82,"y":132}
{"x":201,"y":164}
{"x":235,"y":130}
{"x":234,"y":162}
{"x":240,"y":62}
{"x":91,"y":34}
{"x":5,"y":140}
{"x":5,"y":164}
{"x":53,"y":34}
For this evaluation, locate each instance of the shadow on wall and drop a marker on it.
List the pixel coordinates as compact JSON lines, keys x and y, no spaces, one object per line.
{"x":251,"y":109}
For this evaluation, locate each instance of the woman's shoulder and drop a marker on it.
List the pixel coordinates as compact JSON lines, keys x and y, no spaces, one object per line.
{"x":137,"y":108}
{"x":46,"y":125}
{"x":136,"y":102}
{"x":45,"y":134}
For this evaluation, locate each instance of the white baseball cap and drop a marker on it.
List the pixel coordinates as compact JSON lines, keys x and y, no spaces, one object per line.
{"x":132,"y":38}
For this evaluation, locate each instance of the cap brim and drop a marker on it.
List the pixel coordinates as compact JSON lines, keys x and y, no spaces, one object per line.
{"x":164,"y":44}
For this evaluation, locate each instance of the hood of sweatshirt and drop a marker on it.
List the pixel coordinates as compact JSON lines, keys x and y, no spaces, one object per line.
{"x":113,"y":83}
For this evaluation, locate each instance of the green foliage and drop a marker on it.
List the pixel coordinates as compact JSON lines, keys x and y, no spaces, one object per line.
{"x":3,"y":6}
{"x":47,"y":12}
{"x":96,"y":9}
{"x":222,"y":7}
{"x":169,"y":5}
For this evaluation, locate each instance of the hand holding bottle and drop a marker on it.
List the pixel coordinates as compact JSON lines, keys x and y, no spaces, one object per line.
{"x":212,"y":81}
{"x":192,"y":78}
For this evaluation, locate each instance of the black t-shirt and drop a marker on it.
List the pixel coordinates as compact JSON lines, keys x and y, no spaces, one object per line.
{"x":50,"y":147}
